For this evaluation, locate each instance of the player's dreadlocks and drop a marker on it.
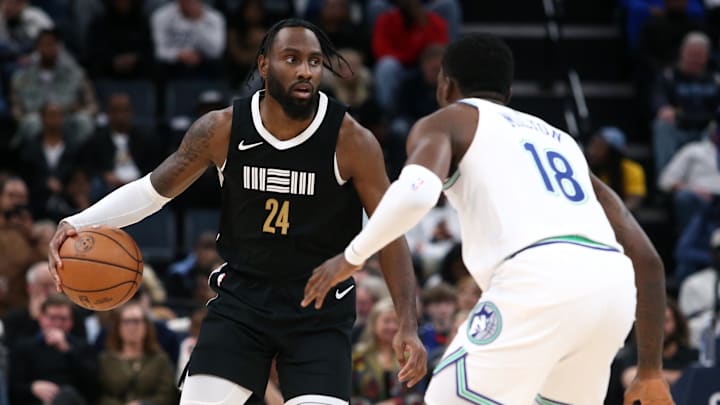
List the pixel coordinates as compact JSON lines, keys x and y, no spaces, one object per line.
{"x":331,"y":56}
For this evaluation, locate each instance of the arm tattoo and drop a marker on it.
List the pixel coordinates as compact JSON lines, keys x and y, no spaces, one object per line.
{"x":180,"y":168}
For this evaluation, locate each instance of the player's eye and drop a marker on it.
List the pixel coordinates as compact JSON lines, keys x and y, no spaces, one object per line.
{"x":315,"y":62}
{"x":290,"y":59}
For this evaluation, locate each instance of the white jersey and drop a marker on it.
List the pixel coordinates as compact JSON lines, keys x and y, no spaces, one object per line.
{"x":521,"y":181}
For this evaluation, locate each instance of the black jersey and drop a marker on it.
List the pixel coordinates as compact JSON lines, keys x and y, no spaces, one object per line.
{"x":284,"y":210}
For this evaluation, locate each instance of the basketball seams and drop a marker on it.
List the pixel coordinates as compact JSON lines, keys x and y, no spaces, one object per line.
{"x":84,"y":259}
{"x":135,"y":258}
{"x":100,"y":289}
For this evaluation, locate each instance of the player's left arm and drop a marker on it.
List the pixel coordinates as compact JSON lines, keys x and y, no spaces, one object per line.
{"x":360,"y":159}
{"x":649,"y":384}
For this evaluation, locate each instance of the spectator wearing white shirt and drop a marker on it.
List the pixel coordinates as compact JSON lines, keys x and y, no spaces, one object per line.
{"x":189,"y":38}
{"x":693,"y":177}
{"x":20,"y":24}
{"x":699,"y":294}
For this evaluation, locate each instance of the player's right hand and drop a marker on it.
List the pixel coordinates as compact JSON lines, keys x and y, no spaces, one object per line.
{"x":64,"y":231}
{"x":651,"y":390}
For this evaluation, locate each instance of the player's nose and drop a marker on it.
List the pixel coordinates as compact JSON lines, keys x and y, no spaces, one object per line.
{"x":303,"y":71}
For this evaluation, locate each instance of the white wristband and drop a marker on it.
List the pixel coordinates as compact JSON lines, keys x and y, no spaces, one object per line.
{"x":125,"y":206}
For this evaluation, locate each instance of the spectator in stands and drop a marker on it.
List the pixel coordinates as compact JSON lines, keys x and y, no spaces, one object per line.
{"x":18,"y":251}
{"x":13,"y":192}
{"x":120,"y":43}
{"x":133,"y":367}
{"x":48,"y":159}
{"x":468,"y":294}
{"x":166,"y":337}
{"x":54,"y":77}
{"x":54,"y":365}
{"x":375,"y":365}
{"x":693,"y":177}
{"x":434,"y":237}
{"x":700,"y":294}
{"x":606,"y":157}
{"x":370,"y":290}
{"x":440,"y":305}
{"x":677,"y":354}
{"x":189,"y":38}
{"x":449,"y":10}
{"x":334,"y":19}
{"x":20,"y":24}
{"x":75,"y":196}
{"x":121,"y":151}
{"x":415,"y":99}
{"x":662,"y":35}
{"x":452,"y":270}
{"x":686,"y":99}
{"x":246,"y":29}
{"x":638,"y":12}
{"x":22,"y":321}
{"x":354,"y":88}
{"x":399,"y":37}
{"x":183,"y":275}
{"x":42,"y":231}
{"x":691,"y":250}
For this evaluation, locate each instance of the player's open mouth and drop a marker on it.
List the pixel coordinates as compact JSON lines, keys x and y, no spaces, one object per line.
{"x":303,"y":90}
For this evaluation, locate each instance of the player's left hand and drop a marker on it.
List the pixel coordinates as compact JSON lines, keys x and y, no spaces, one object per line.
{"x":412,"y":356}
{"x":325,"y":277}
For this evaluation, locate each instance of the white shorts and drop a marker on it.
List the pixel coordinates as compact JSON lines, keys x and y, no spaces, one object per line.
{"x":544,"y":332}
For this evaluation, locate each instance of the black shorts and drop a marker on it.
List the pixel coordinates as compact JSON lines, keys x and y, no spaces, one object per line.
{"x":252,"y":322}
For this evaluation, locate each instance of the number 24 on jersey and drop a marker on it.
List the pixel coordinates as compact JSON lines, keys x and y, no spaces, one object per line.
{"x":278,"y":216}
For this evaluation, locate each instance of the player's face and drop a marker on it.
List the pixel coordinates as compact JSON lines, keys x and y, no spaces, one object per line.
{"x":293,"y":70}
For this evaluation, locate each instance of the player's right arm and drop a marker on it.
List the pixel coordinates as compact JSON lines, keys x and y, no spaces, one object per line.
{"x":205,"y":143}
{"x":649,"y":385}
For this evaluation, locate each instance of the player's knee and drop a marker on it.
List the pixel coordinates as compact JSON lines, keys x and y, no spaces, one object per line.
{"x":315,"y":400}
{"x":203,"y":389}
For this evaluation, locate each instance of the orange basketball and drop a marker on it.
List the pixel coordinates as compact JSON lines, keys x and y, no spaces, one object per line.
{"x":102,"y":268}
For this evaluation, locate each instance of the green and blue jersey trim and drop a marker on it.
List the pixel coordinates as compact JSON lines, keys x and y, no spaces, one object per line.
{"x":569,"y":239}
{"x":541,"y":400}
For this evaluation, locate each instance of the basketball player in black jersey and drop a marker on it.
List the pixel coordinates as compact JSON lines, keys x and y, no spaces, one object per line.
{"x":295,"y":172}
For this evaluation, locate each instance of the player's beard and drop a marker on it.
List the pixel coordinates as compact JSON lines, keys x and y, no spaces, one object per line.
{"x":295,"y":108}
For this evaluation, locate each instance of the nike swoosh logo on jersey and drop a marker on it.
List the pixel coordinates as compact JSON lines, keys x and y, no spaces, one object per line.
{"x":339,"y":295}
{"x":242,"y":146}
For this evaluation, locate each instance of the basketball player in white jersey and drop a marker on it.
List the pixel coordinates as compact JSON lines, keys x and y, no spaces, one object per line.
{"x":552,"y":248}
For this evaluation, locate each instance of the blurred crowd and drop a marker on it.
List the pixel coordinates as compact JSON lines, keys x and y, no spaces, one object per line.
{"x":94,"y":94}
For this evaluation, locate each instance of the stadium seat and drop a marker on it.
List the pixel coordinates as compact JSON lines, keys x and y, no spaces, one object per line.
{"x":181,"y":97}
{"x":156,"y":236}
{"x":197,"y":221}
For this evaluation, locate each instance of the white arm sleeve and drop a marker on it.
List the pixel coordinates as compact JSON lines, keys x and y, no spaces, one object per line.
{"x":404,"y":204}
{"x":125,"y":206}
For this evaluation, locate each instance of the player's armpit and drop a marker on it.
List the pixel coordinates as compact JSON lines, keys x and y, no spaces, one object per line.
{"x":649,"y":278}
{"x":205,"y":143}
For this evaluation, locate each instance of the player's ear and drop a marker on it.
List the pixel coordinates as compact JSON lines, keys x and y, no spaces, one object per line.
{"x":262,"y":63}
